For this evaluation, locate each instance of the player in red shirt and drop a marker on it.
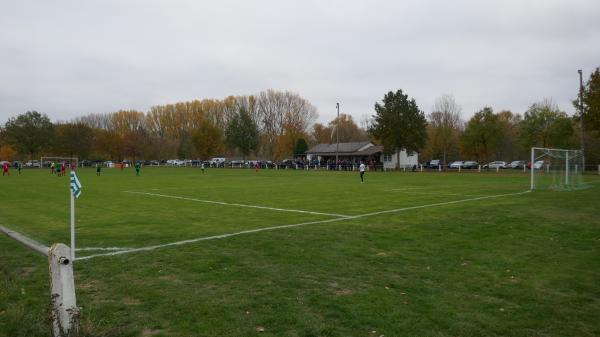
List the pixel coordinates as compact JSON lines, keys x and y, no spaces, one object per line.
{"x":5,"y":169}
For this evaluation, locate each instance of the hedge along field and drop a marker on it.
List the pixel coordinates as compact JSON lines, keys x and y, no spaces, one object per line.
{"x":404,"y":254}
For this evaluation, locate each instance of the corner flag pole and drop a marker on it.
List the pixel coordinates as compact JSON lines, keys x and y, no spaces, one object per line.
{"x":72,"y":227}
{"x":75,"y":193}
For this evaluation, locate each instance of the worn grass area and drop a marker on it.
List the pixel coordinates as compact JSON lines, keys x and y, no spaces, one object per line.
{"x":516,"y":265}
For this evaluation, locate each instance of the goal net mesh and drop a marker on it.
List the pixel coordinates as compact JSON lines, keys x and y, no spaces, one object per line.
{"x":556,"y":169}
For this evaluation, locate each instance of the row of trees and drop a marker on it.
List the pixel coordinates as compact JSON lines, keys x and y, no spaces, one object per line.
{"x":275,"y":125}
{"x":399,"y":123}
{"x":269,"y":125}
{"x":502,"y":135}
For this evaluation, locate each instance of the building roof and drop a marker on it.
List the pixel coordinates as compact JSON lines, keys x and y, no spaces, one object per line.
{"x":345,"y":149}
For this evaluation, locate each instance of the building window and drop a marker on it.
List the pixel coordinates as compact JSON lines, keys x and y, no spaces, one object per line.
{"x":387,"y":157}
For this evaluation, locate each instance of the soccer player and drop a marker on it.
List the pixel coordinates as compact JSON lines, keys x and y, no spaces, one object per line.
{"x":98,"y":168}
{"x":256,"y":167}
{"x":5,"y":169}
{"x":361,"y":168}
{"x":52,"y":168}
{"x":138,"y":166}
{"x":57,"y":166}
{"x":19,"y":166}
{"x":202,"y":167}
{"x":63,"y":169}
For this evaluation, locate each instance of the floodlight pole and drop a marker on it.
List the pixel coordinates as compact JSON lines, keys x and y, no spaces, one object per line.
{"x":337,"y":135}
{"x":581,"y":138}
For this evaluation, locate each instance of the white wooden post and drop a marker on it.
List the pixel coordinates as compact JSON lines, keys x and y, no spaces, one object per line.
{"x":497,"y":169}
{"x":65,"y":314}
{"x":439,"y":168}
{"x":459,"y":166}
{"x":567,"y":168}
{"x":532,"y":168}
{"x":421,"y":167}
{"x":479,"y":168}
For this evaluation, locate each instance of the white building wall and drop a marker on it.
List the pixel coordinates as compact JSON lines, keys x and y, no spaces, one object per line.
{"x":405,"y":160}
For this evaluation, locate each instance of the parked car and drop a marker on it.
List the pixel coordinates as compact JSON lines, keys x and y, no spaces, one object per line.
{"x":495,"y":164}
{"x":433,"y":164}
{"x":536,"y":165}
{"x":217,"y":161}
{"x":456,"y":164}
{"x":470,"y":164}
{"x":236,"y":163}
{"x":517,"y":164}
{"x":32,"y":163}
{"x":175,"y":162}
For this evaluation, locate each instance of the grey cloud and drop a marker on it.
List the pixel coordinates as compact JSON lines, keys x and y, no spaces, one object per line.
{"x":67,"y":58}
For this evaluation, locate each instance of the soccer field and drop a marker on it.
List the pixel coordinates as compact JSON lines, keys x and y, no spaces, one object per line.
{"x":232,"y":252}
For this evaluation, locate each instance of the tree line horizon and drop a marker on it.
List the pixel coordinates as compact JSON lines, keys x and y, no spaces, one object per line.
{"x":275,"y":125}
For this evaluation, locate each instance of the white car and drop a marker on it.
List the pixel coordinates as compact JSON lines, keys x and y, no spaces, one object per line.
{"x":217,"y":161}
{"x":456,"y":164}
{"x":517,"y":164}
{"x":495,"y":164}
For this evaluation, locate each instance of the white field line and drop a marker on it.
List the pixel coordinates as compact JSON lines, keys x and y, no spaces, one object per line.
{"x":239,"y":205}
{"x":223,"y":236}
{"x":441,"y":194}
{"x":83,"y":249}
{"x":406,"y":189}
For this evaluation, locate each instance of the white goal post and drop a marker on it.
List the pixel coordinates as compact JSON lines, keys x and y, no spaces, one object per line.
{"x":557,"y":169}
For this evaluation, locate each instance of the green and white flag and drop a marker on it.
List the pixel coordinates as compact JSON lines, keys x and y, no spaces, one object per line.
{"x":75,"y":185}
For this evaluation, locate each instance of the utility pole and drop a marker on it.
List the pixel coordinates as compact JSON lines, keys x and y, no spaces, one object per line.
{"x":581,"y":138}
{"x":337,"y":135}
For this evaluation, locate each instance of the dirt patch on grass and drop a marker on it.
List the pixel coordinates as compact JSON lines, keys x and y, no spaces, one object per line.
{"x":90,"y":285}
{"x":26,"y":271}
{"x":150,"y":332}
{"x":130,"y":301}
{"x":171,"y":278}
{"x":339,"y":291}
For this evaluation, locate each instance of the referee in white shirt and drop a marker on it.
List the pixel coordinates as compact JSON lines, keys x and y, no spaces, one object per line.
{"x":361,"y":168}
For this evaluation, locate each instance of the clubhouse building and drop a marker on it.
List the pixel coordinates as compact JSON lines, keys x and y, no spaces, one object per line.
{"x":352,"y":153}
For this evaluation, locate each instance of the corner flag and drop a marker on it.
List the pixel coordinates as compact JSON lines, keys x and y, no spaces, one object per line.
{"x":75,"y":185}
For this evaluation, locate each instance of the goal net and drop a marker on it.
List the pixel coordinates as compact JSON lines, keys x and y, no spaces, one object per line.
{"x":556,"y":169}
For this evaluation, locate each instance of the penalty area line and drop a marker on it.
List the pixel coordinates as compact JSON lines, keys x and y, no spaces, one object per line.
{"x":238,"y":205}
{"x":257,"y":230}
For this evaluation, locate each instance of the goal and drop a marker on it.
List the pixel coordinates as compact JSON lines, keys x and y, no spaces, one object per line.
{"x":67,"y":160}
{"x":556,"y":169}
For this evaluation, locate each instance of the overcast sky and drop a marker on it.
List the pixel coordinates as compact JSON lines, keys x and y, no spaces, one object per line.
{"x":69,"y":58}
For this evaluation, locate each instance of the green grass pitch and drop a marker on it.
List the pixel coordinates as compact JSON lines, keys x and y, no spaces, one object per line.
{"x":404,"y":254}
